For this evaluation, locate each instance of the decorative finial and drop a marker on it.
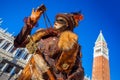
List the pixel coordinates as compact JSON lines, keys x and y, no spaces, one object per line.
{"x":5,"y":29}
{"x":12,"y":33}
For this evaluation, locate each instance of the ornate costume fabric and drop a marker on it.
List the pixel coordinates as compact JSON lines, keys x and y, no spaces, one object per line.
{"x":56,"y":53}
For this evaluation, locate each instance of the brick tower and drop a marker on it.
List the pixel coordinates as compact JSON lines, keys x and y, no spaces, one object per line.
{"x":101,"y":70}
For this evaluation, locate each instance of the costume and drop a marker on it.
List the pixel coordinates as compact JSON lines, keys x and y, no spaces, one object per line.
{"x":56,"y":52}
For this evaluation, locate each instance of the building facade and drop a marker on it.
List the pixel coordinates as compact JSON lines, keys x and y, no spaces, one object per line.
{"x":101,"y":70}
{"x":11,"y":61}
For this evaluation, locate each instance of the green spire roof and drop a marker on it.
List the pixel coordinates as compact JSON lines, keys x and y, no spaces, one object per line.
{"x":100,"y":38}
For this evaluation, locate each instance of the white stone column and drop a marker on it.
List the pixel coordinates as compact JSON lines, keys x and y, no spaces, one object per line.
{"x":19,"y":72}
{"x":10,"y":46}
{"x":15,"y":52}
{"x":12,"y":71}
{"x":4,"y":67}
{"x":4,"y":41}
{"x":23,"y":55}
{"x":29,"y":56}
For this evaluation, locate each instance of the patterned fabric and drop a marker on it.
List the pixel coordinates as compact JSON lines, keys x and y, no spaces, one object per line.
{"x":49,"y":46}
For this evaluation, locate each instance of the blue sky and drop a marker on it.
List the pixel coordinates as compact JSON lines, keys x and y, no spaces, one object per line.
{"x":98,"y":15}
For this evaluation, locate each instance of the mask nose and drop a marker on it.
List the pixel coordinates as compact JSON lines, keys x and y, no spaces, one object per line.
{"x":55,"y":24}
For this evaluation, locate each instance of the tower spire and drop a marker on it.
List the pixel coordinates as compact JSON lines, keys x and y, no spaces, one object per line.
{"x":100,"y":37}
{"x":100,"y":59}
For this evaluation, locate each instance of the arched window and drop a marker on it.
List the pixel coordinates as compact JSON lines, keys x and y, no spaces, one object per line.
{"x":6,"y":46}
{"x":9,"y":68}
{"x":17,"y":70}
{"x":26,"y":56}
{"x":1,"y":40}
{"x":11,"y":50}
{"x":19,"y":53}
{"x":2,"y":64}
{"x":98,"y":50}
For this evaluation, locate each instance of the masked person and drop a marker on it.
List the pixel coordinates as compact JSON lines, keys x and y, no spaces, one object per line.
{"x":56,"y":52}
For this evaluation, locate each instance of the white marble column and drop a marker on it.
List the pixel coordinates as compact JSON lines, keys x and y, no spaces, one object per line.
{"x":19,"y":72}
{"x":12,"y":71}
{"x":23,"y":55}
{"x":4,"y":67}
{"x":10,"y":46}
{"x":4,"y":41}
{"x":29,"y":56}
{"x":14,"y":53}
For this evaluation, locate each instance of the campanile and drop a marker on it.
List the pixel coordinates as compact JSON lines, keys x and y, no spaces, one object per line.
{"x":101,"y":70}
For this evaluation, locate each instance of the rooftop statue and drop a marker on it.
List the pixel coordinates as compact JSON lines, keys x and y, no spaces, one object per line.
{"x":56,"y":52}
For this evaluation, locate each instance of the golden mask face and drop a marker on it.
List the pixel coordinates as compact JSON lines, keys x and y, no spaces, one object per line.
{"x":60,"y":22}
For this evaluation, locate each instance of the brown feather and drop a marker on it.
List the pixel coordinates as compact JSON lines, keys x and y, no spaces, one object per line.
{"x":68,"y":44}
{"x":67,"y":40}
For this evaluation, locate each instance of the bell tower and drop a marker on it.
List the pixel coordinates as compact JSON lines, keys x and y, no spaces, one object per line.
{"x":101,"y":70}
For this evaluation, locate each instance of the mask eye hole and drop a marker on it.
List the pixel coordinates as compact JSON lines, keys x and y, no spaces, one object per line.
{"x":61,"y":20}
